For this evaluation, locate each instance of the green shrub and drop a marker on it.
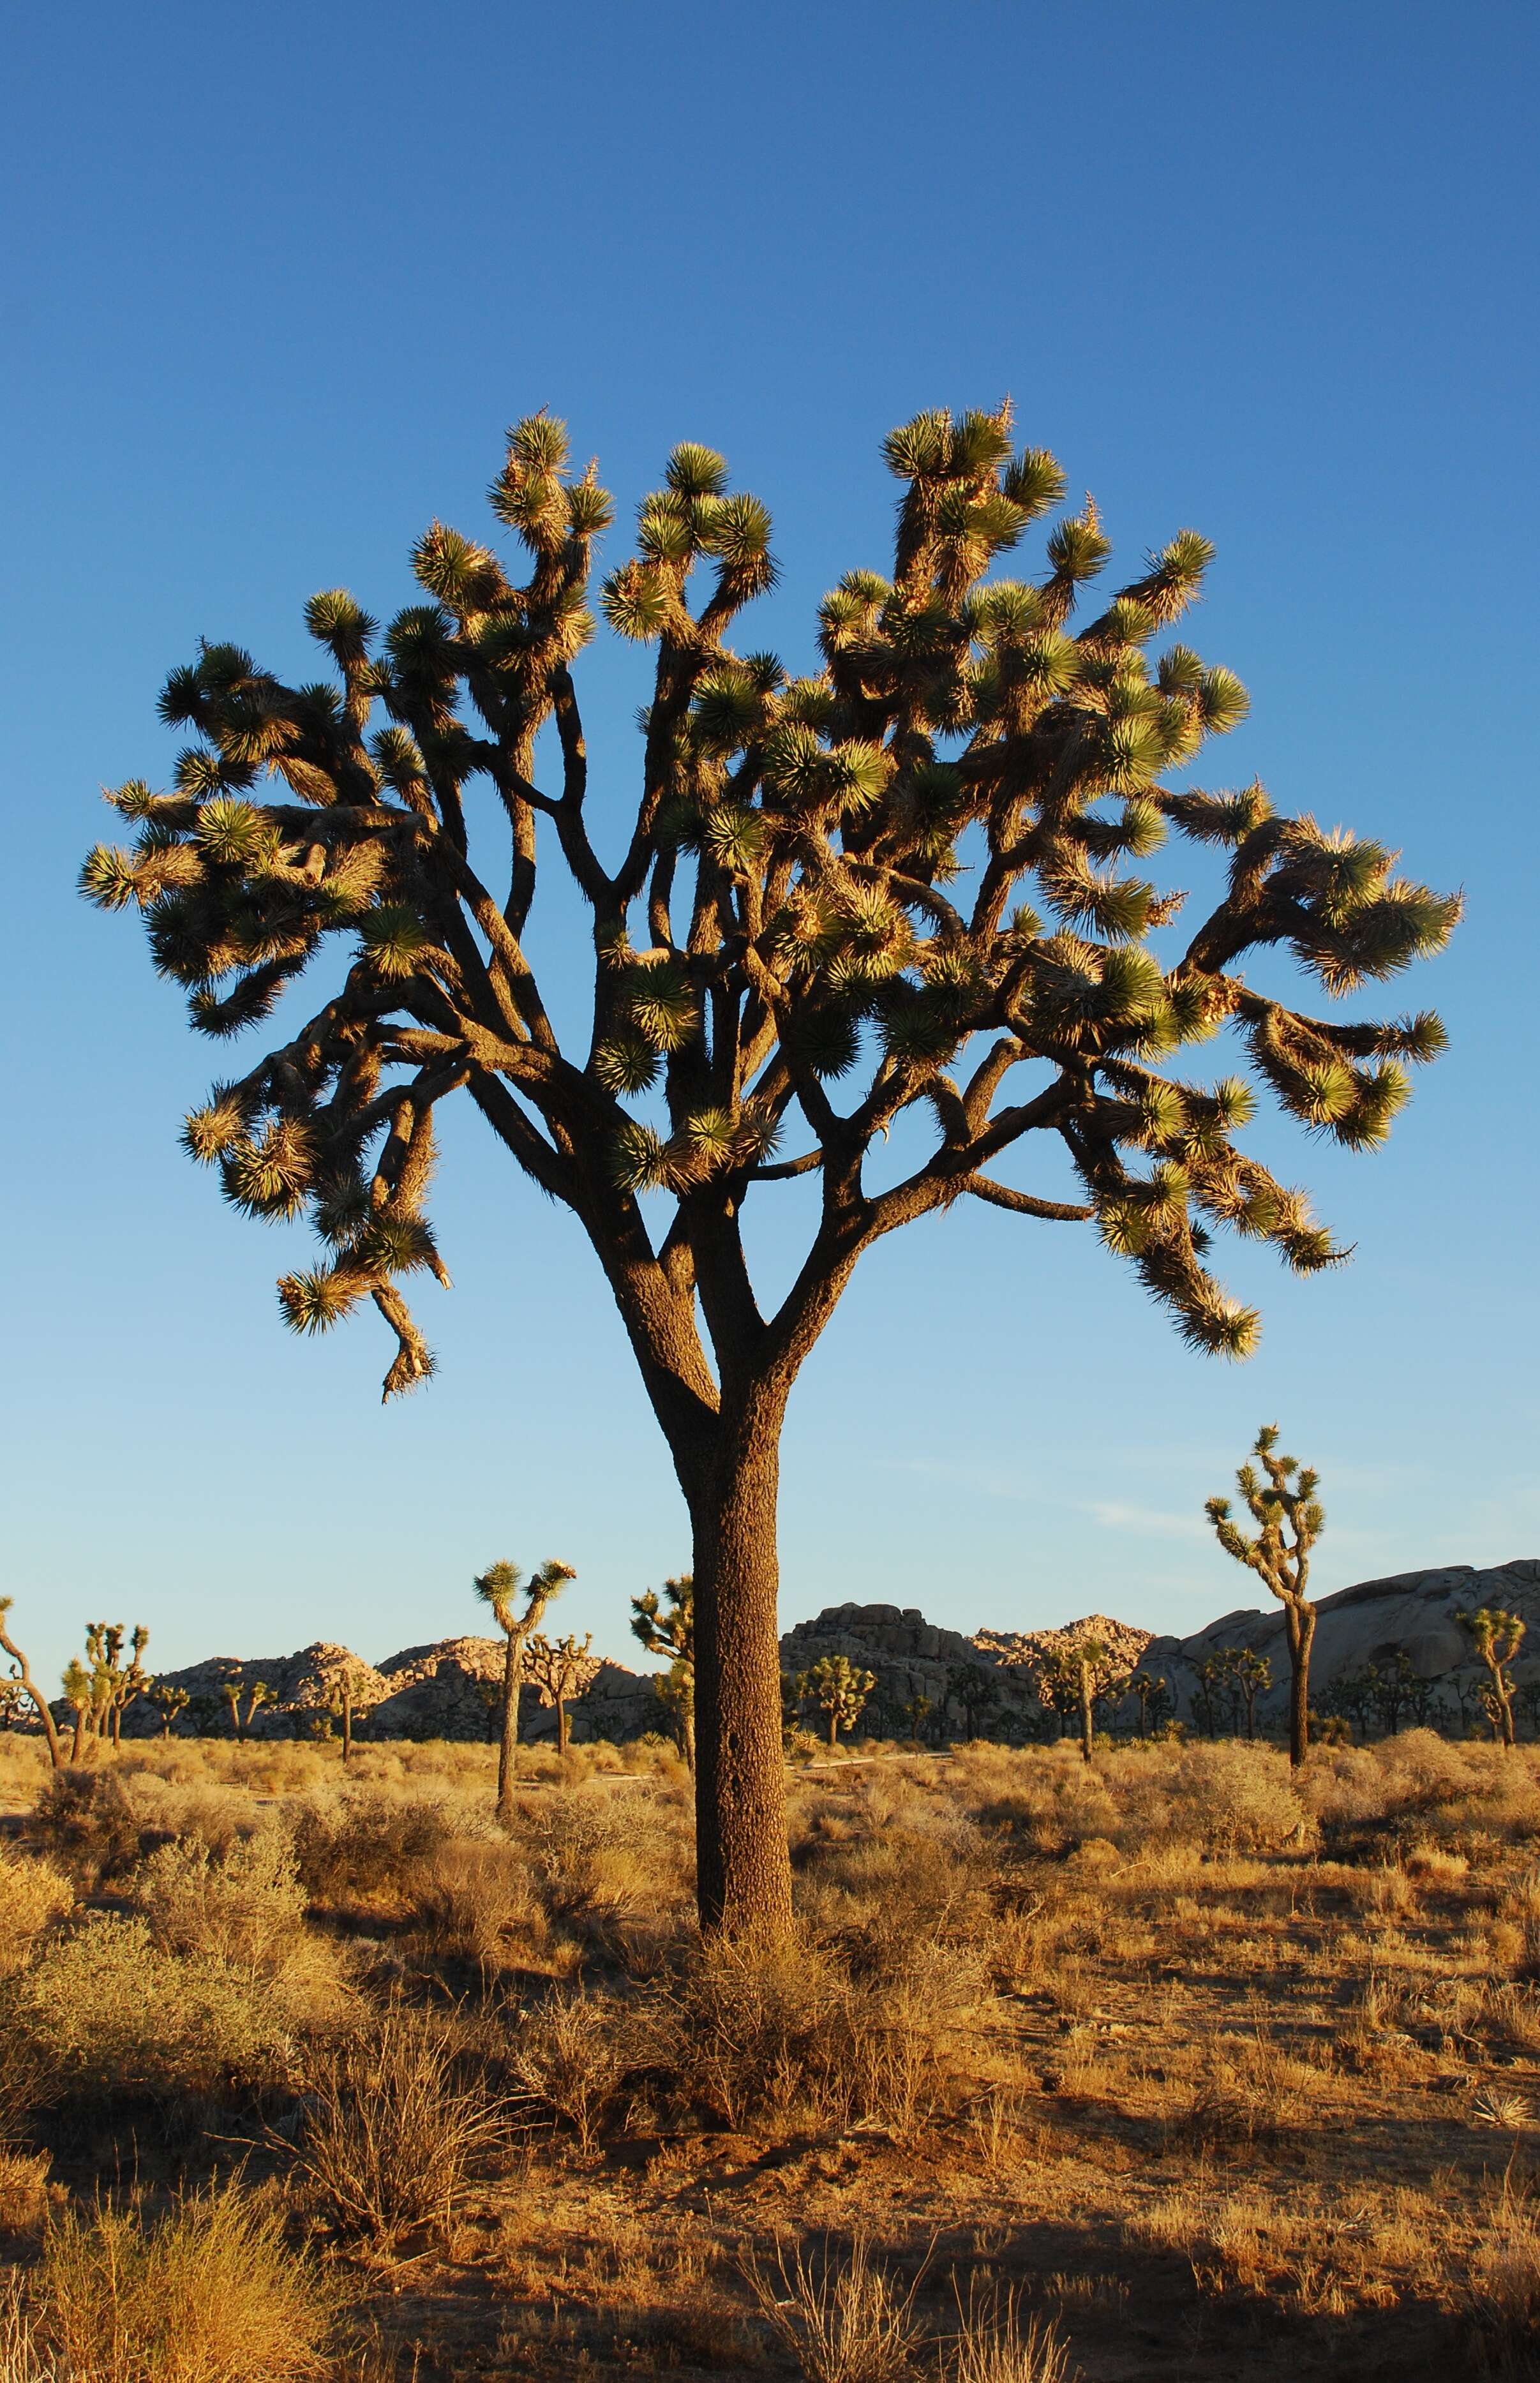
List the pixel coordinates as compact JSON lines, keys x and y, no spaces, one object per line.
{"x":105,"y":2012}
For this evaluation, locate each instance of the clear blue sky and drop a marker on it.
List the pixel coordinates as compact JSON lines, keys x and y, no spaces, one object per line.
{"x":275,"y":280}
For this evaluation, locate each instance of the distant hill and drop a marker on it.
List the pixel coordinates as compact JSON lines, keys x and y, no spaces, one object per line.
{"x":982,"y":1680}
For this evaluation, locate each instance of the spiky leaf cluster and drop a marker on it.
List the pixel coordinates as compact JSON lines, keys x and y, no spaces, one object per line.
{"x":913,"y":872}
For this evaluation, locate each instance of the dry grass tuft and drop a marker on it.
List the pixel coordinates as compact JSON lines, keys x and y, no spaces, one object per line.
{"x":205,"y":2294}
{"x":842,"y":2320}
{"x":389,"y":2132}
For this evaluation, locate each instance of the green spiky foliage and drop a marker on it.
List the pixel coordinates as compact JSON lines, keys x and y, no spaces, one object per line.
{"x":1280,"y":1497}
{"x":838,"y":1689}
{"x":1496,"y":1636}
{"x":666,"y":1626}
{"x":499,"y":1587}
{"x":908,"y":884}
{"x":559,"y":1669}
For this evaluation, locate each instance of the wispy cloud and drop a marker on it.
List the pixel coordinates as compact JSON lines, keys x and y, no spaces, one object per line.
{"x":1149,"y":1522}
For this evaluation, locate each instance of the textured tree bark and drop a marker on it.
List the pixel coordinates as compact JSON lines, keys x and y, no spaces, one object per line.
{"x":513,"y":1681}
{"x":1086,"y":1725}
{"x":1299,"y":1627}
{"x":743,"y":1883}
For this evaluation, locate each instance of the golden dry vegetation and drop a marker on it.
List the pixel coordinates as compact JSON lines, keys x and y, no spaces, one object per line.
{"x":1167,"y":2068}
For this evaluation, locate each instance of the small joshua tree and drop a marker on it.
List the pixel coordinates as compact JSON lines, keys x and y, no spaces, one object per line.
{"x":21,"y":1674}
{"x":838,"y":1688}
{"x":170,"y":1702}
{"x":667,"y":1627}
{"x":1496,"y":1636}
{"x":917,"y":1711}
{"x":903,"y":889}
{"x":1253,"y":1677}
{"x":1153,"y":1697}
{"x":976,"y":1690}
{"x":499,"y":1586}
{"x":80,"y":1695}
{"x":258,"y":1695}
{"x":114,"y":1684}
{"x":560,"y":1670}
{"x":1290,"y":1518}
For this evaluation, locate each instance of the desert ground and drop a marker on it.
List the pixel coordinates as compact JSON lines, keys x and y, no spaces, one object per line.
{"x":1169,"y":2067}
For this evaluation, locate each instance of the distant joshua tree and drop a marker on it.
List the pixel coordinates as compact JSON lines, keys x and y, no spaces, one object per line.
{"x":1153,"y":1695}
{"x":913,"y":873}
{"x":499,"y":1586}
{"x":559,"y":1671}
{"x":170,"y":1702}
{"x":22,"y":1672}
{"x":666,"y":1626}
{"x":1289,"y":1520}
{"x":976,"y":1690}
{"x":1496,"y":1636}
{"x":1253,"y":1677}
{"x":258,"y":1694}
{"x":917,"y":1711}
{"x":838,"y":1688}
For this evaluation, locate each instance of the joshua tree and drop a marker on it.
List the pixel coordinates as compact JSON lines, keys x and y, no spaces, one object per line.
{"x":1289,"y":1519}
{"x":1496,"y":1636}
{"x":340,"y":1699}
{"x":1090,"y":1658}
{"x":169,"y":1702}
{"x":21,"y":1674}
{"x":779,"y":910}
{"x":499,"y":1586}
{"x":257,"y":1695}
{"x":1397,"y":1692}
{"x":975,"y":1688}
{"x":560,"y":1671}
{"x":114,"y":1684}
{"x":838,"y":1688}
{"x":80,"y":1695}
{"x":671,"y":1630}
{"x":1252,"y":1674}
{"x":13,"y":1695}
{"x":1153,"y":1697}
{"x":916,"y":1712}
{"x":1353,"y":1696}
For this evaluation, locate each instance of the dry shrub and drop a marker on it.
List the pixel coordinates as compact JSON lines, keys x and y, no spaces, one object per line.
{"x":842,"y":2320}
{"x":1421,"y":1780}
{"x":570,"y":2059}
{"x":993,"y":2344}
{"x":475,"y":1902}
{"x":33,"y":1895}
{"x":105,"y":2012}
{"x":750,"y":2031}
{"x":1225,"y":1796}
{"x":1047,"y":1801}
{"x":389,"y":2132}
{"x":1249,"y":2091}
{"x":362,"y":1840}
{"x":887,"y":1866}
{"x":85,"y":1819}
{"x":23,"y":2191}
{"x":205,"y":2294}
{"x":599,"y":1859}
{"x":245,"y":1905}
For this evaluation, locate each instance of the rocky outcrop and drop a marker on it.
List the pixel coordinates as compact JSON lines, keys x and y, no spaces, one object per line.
{"x":980,"y":1685}
{"x":1371,"y":1624}
{"x":1125,"y":1644}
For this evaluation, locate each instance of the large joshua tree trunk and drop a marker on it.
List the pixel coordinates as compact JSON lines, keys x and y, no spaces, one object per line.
{"x":513,"y":1681}
{"x":1300,"y":1628}
{"x":745,"y":1875}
